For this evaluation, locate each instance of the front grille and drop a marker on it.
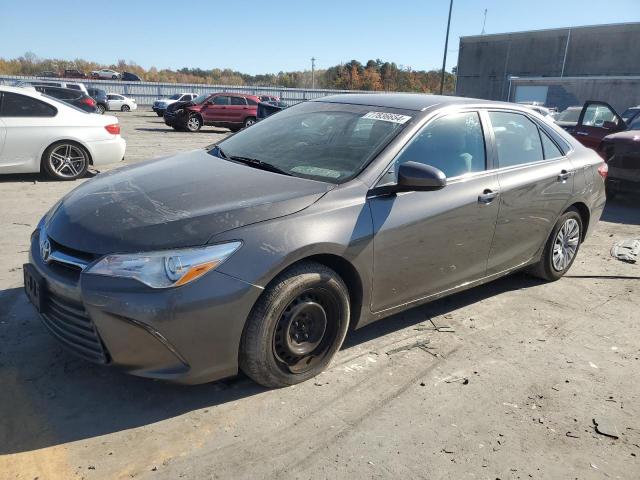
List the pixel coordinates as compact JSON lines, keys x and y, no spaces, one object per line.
{"x":71,"y":325}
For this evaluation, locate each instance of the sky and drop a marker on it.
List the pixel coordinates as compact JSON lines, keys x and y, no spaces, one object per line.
{"x":267,"y":37}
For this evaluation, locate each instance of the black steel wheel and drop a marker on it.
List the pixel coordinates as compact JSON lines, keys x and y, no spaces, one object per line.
{"x":296,"y":327}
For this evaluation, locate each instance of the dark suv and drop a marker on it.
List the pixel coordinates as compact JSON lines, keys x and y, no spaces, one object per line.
{"x":230,"y":110}
{"x":100,"y":96}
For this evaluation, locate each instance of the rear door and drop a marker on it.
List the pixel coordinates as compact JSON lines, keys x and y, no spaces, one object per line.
{"x":536,"y":182}
{"x":238,"y":109}
{"x":115,"y":101}
{"x":429,"y":242}
{"x":597,"y":120}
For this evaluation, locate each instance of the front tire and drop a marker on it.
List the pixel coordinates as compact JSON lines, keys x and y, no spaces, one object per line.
{"x":561,"y":248}
{"x":65,"y":161}
{"x":194,"y":123}
{"x":296,"y":327}
{"x":160,"y":114}
{"x":125,"y":108}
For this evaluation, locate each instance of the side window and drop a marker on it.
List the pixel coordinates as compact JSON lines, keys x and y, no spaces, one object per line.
{"x":111,"y":97}
{"x":15,"y":105}
{"x":453,"y":143}
{"x":251,"y":101}
{"x":517,"y":139}
{"x":222,"y":100}
{"x":551,"y":150}
{"x":595,"y":115}
{"x":74,"y":87}
{"x":635,"y":123}
{"x":238,"y":101}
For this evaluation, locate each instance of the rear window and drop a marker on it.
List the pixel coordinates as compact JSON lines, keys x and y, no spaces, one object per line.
{"x":15,"y":105}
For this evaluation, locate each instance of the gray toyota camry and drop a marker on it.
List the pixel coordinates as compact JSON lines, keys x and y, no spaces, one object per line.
{"x":261,"y":252}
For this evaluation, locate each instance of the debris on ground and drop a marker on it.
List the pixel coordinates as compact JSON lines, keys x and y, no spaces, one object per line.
{"x":571,"y":435}
{"x":626,"y":250}
{"x":434,"y":327}
{"x":421,"y":344}
{"x":464,"y":380}
{"x":606,"y":428}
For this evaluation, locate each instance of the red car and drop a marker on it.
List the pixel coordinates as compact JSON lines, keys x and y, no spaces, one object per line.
{"x":596,"y":121}
{"x":230,"y":110}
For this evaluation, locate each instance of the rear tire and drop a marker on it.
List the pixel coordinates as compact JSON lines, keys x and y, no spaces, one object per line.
{"x":561,"y":248}
{"x":125,"y":108}
{"x":100,"y":109}
{"x":65,"y":161}
{"x":249,"y":121}
{"x":296,"y":327}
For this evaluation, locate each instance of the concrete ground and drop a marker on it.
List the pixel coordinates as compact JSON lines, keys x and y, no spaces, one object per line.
{"x":510,"y":391}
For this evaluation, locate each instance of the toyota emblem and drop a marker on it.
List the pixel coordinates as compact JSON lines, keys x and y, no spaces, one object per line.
{"x":45,"y":250}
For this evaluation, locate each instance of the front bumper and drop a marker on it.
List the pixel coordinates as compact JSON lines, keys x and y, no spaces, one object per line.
{"x":157,"y":109}
{"x":190,"y":334}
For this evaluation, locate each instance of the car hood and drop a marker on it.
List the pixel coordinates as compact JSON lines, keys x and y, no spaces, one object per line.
{"x":179,"y":201}
{"x":628,"y":136}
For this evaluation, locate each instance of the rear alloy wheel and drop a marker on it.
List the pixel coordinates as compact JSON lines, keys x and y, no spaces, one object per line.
{"x":249,"y":121}
{"x":125,"y":108}
{"x":296,"y":327}
{"x":99,"y":109}
{"x":561,"y":248}
{"x":194,"y":123}
{"x":66,"y":161}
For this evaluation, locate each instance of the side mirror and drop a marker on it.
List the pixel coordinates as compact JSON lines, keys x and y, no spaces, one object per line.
{"x":418,"y":177}
{"x":609,"y":125}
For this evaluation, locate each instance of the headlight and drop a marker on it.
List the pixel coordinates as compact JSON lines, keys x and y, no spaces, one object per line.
{"x":168,"y":268}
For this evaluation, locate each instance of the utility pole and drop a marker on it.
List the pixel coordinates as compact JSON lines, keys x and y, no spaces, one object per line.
{"x":484,"y":22}
{"x":313,"y":72}
{"x":446,"y":46}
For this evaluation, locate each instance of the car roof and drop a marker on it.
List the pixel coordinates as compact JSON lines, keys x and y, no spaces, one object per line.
{"x":406,"y":101}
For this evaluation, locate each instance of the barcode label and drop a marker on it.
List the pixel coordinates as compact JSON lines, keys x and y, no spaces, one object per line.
{"x":387,"y":117}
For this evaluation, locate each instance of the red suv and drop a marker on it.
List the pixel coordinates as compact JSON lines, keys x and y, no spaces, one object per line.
{"x":231,"y":110}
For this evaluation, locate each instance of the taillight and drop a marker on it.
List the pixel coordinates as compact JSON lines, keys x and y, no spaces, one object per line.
{"x":114,"y":129}
{"x":603,"y":170}
{"x":89,"y":101}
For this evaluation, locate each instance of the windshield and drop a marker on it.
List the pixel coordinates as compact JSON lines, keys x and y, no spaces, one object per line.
{"x":175,"y":97}
{"x":629,"y":114}
{"x":321,"y":141}
{"x":200,"y":99}
{"x":569,"y":115}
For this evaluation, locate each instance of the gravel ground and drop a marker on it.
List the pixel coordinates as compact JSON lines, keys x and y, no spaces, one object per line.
{"x":509,"y":391}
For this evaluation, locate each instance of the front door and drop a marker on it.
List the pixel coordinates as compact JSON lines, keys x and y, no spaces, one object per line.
{"x":597,"y":120}
{"x":429,"y":242}
{"x":536,"y":183}
{"x":115,"y":102}
{"x":216,"y":109}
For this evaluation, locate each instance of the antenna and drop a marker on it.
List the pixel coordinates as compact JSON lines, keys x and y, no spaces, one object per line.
{"x":484,"y":22}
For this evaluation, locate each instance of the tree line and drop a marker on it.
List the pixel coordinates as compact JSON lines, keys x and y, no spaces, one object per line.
{"x":373,"y":75}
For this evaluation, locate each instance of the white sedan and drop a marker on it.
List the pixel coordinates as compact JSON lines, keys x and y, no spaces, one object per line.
{"x":116,"y":101}
{"x":39,"y":133}
{"x":105,"y":73}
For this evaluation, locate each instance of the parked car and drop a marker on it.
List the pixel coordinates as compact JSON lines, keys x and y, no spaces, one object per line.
{"x":38,"y":132}
{"x":229,"y":110}
{"x":52,"y":83}
{"x":130,"y":77}
{"x":631,"y":114}
{"x":266,"y":109}
{"x":74,"y":73}
{"x":160,"y":105}
{"x":116,"y":101}
{"x":268,"y":98}
{"x":596,"y":121}
{"x":73,"y":97}
{"x":100,"y":96}
{"x":261,"y":252}
{"x":48,"y":74}
{"x":548,"y":113}
{"x":568,"y":117}
{"x":621,"y":151}
{"x":106,"y":74}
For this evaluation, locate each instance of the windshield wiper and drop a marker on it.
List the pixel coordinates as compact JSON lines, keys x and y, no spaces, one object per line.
{"x":255,"y":163}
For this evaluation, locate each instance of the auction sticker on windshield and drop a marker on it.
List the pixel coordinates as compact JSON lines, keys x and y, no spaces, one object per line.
{"x":387,"y":117}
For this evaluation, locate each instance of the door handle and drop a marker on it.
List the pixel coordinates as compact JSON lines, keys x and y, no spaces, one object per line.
{"x":582,"y":133}
{"x":487,"y":196}
{"x":564,"y":175}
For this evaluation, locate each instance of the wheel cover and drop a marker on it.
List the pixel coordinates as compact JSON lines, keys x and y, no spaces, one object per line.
{"x":566,"y":244}
{"x":193,"y":123}
{"x":67,"y":161}
{"x":249,"y":122}
{"x":306,"y":330}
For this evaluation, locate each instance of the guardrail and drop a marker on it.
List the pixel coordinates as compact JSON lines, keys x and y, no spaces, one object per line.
{"x":144,"y":93}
